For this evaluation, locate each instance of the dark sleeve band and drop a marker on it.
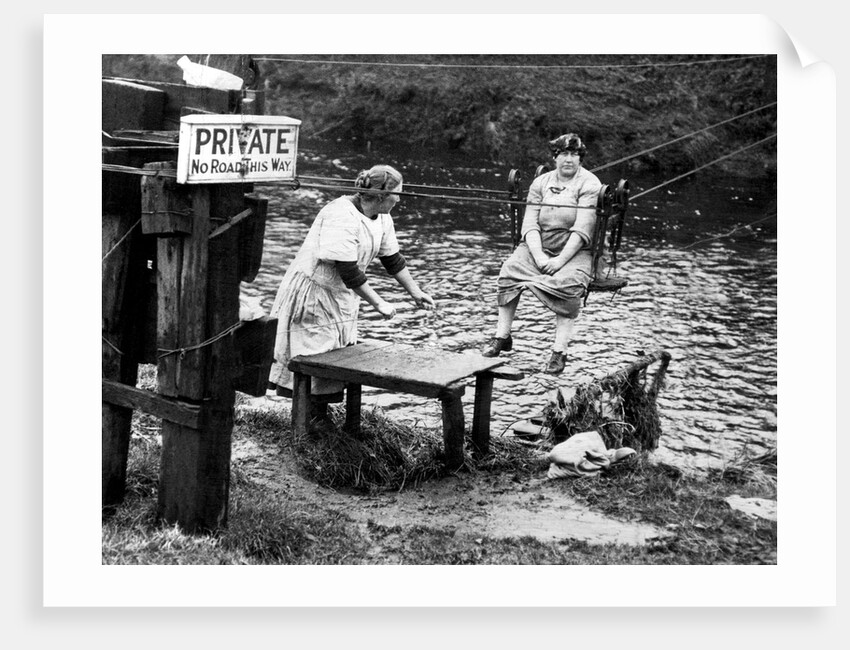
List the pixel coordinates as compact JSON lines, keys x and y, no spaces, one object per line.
{"x":351,"y":275}
{"x":393,"y":263}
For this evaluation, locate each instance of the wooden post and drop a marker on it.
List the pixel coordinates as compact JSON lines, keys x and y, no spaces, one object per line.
{"x":481,"y":414}
{"x":300,"y":403}
{"x":353,"y":402}
{"x":117,"y":350}
{"x":453,"y":429}
{"x":195,"y":471}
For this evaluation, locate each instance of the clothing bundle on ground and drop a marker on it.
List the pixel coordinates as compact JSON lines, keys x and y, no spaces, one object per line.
{"x":583,"y":454}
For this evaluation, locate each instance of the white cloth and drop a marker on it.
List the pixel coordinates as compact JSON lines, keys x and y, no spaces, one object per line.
{"x":583,"y":454}
{"x":316,"y":312}
{"x":250,"y":308}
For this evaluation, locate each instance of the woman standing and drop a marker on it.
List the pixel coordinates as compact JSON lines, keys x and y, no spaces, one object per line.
{"x":554,"y":258}
{"x":319,"y":297}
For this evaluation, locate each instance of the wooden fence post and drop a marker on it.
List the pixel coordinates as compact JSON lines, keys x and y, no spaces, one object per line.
{"x":118,"y":362}
{"x":198,"y":287}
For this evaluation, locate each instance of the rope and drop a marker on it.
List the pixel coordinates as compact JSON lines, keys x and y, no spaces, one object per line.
{"x":209,"y":341}
{"x":516,"y":67}
{"x":694,"y":171}
{"x":118,"y":243}
{"x":646,"y":151}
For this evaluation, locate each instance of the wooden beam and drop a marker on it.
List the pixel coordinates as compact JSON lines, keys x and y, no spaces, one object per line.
{"x":254,"y":352}
{"x":167,"y":408}
{"x":252,"y":235}
{"x":231,"y":222}
{"x":129,"y":105}
{"x":166,"y":207}
{"x":117,"y":362}
{"x":508,"y":373}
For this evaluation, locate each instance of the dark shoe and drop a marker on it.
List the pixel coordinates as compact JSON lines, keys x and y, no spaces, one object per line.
{"x":320,"y":419}
{"x":556,"y":363}
{"x":319,"y":410}
{"x":497,"y":345}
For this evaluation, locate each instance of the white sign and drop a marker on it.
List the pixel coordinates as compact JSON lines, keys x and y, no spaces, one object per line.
{"x":236,"y":148}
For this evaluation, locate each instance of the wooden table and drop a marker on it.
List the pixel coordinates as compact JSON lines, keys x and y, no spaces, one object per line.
{"x":427,"y":372}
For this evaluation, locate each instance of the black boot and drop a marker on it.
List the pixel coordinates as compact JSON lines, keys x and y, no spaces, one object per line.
{"x":497,"y":345}
{"x":556,"y":363}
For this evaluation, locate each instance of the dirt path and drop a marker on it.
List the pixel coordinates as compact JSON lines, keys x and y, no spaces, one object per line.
{"x":486,"y":505}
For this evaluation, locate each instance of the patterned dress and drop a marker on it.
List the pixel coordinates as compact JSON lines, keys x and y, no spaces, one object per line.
{"x":316,"y":312}
{"x":563,"y":291}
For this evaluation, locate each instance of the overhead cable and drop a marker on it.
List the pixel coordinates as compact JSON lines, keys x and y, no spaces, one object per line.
{"x":510,"y":66}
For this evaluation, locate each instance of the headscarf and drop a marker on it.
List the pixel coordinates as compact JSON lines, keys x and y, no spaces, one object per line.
{"x":380,"y":177}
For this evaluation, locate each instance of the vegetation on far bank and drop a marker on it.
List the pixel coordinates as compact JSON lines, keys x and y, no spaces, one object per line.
{"x":506,"y":110}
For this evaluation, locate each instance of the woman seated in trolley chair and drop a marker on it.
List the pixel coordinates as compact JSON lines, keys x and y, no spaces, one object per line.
{"x":555,"y":258}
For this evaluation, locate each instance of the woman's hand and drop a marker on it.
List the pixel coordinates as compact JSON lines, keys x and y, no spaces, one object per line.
{"x":541,"y":259}
{"x":385,"y":309}
{"x":424,"y":301}
{"x":553,"y":265}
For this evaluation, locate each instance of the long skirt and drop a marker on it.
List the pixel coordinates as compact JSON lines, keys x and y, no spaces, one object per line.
{"x":311,"y":319}
{"x":562,"y":292}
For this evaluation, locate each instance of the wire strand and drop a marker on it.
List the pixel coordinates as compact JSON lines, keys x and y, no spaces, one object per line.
{"x":666,"y":64}
{"x":697,"y":132}
{"x":209,"y":341}
{"x":110,"y":344}
{"x":694,"y":171}
{"x":118,"y":243}
{"x":475,"y":199}
{"x":429,"y":187}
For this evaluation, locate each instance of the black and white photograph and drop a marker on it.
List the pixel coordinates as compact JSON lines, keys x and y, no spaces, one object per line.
{"x":374,"y":316}
{"x":564,"y":353}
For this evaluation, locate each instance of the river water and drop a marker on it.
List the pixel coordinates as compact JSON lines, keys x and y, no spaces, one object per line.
{"x":700,"y":257}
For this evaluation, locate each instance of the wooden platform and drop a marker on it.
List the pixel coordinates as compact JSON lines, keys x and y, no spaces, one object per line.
{"x":427,"y":372}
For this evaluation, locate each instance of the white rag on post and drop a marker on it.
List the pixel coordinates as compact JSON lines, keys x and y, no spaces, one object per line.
{"x":583,"y":454}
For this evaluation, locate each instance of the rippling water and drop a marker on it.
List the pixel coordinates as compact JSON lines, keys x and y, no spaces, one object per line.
{"x":702,"y":285}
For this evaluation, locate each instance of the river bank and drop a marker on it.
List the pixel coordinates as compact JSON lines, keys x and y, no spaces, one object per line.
{"x":290,"y":506}
{"x":504,"y":108}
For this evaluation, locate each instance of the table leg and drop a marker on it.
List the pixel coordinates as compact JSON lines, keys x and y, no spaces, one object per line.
{"x":481,"y":414}
{"x":353,"y":401}
{"x":453,"y":430}
{"x":300,"y":403}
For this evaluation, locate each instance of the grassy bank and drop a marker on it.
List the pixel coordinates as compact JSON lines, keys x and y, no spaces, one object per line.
{"x":507,"y":108}
{"x":268,"y":525}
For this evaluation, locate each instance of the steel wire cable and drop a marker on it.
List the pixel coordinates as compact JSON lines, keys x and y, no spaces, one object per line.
{"x":688,"y":135}
{"x":662,"y":64}
{"x":713,"y":162}
{"x":414,"y":185}
{"x":476,"y":199}
{"x":491,"y":191}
